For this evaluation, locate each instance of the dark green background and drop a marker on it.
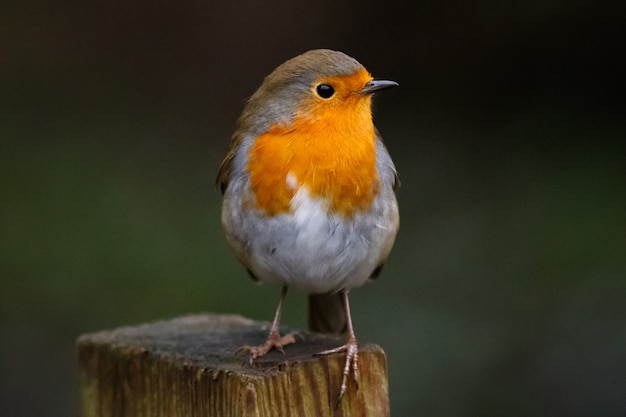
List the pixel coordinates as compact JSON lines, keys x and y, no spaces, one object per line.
{"x":505,"y":292}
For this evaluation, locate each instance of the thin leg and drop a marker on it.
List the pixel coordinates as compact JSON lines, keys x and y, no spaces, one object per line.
{"x":352,"y":351}
{"x":274,"y":339}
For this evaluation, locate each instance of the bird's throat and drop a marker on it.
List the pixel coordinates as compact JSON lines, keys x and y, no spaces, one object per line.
{"x":333,"y":157}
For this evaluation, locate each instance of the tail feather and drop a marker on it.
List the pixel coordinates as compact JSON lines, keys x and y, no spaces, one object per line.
{"x":327,"y":314}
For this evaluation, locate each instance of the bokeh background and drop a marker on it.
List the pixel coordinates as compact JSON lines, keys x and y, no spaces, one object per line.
{"x":505,"y":294}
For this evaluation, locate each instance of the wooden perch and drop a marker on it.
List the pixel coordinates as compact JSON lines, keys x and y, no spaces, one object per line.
{"x":188,"y":367}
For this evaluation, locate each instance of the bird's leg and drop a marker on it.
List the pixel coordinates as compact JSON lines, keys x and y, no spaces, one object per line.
{"x":352,"y":351}
{"x":274,"y":339}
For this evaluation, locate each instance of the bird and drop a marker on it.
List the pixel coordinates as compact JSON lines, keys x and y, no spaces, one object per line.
{"x":309,"y":191}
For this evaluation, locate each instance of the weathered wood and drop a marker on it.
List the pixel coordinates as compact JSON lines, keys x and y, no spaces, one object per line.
{"x":188,"y":367}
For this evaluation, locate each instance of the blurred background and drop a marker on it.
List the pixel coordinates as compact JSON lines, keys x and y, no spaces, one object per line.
{"x":505,"y":292}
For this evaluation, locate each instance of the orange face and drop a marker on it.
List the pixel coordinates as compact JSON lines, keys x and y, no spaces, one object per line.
{"x":329,"y":149}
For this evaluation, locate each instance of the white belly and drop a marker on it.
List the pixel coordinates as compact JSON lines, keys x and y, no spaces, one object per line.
{"x":312,"y":248}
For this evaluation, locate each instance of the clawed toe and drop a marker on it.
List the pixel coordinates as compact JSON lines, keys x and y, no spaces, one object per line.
{"x":352,"y":362}
{"x":274,"y":341}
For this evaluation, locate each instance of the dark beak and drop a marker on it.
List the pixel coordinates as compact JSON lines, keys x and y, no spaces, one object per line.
{"x":377,"y":85}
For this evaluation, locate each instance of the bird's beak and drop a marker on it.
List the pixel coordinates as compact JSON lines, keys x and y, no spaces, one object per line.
{"x":377,"y":85}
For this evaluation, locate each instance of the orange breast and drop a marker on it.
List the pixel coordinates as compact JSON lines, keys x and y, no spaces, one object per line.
{"x":329,"y":150}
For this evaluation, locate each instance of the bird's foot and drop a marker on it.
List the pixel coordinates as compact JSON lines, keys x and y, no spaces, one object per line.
{"x":352,"y":361}
{"x":274,"y":341}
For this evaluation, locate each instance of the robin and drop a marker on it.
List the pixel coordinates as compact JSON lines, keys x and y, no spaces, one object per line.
{"x":309,"y":190}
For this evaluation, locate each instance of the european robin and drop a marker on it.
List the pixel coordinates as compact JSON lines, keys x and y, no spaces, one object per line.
{"x":309,"y":190}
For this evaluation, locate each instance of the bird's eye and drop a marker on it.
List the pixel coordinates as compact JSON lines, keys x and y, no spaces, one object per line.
{"x":325,"y":90}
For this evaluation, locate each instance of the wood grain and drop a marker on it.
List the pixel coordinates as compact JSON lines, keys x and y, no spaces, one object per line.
{"x":188,"y":367}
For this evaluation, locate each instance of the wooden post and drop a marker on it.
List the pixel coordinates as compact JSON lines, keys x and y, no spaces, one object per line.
{"x":188,"y":367}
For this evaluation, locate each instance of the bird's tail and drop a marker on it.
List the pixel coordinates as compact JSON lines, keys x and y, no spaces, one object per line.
{"x":327,"y":314}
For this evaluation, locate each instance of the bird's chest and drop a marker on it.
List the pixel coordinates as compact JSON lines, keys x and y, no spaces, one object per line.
{"x":338,"y":169}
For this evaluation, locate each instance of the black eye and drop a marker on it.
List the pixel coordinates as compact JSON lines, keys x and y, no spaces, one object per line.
{"x":325,"y":90}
